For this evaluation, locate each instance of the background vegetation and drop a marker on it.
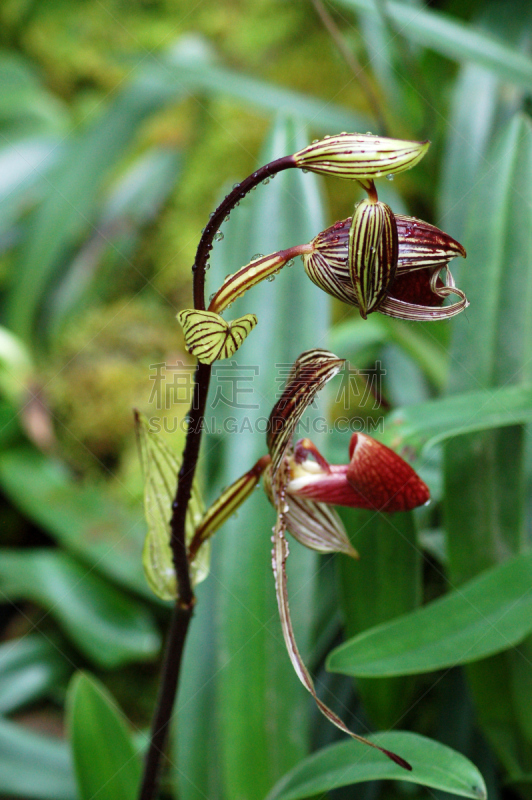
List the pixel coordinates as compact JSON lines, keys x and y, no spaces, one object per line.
{"x":121,"y":123}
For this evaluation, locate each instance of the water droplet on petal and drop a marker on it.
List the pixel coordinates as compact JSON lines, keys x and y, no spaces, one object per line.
{"x":369,"y":133}
{"x":265,"y":181}
{"x":290,"y":263}
{"x":236,"y":185}
{"x":257,"y":256}
{"x":271,"y":278}
{"x":227,"y":218}
{"x":212,"y":296}
{"x":207,"y":266}
{"x":389,"y":177}
{"x":218,"y":236}
{"x":305,"y":171}
{"x":203,"y":230}
{"x":315,"y":141}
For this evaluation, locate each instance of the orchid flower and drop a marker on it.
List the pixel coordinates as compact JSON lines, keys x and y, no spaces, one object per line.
{"x":392,"y":267}
{"x":302,"y":486}
{"x":415,"y":292}
{"x":375,"y":260}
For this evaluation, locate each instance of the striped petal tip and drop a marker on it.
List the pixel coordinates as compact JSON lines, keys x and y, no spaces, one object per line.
{"x":416,"y":292}
{"x":373,"y":252}
{"x":309,"y":374}
{"x":360,"y":157}
{"x":209,"y":337}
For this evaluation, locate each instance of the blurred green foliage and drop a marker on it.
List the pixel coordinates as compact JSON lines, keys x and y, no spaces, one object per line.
{"x":121,"y":124}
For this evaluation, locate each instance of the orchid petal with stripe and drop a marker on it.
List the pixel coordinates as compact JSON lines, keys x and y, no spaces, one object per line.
{"x":209,"y":337}
{"x":309,"y":374}
{"x":373,"y":251}
{"x":416,"y":292}
{"x":226,"y":505}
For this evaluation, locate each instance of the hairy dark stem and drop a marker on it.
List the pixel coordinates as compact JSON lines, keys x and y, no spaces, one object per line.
{"x":185,"y":602}
{"x":165,"y":702}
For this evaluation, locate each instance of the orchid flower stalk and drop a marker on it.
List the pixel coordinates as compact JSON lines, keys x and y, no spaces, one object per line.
{"x":399,"y":277}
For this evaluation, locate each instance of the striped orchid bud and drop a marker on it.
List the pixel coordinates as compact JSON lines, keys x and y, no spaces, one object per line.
{"x":373,"y":249}
{"x":360,"y":157}
{"x":415,"y":292}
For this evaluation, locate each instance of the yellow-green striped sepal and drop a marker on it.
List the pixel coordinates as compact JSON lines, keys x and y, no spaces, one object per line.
{"x":209,"y":337}
{"x":373,"y":253}
{"x":226,"y":505}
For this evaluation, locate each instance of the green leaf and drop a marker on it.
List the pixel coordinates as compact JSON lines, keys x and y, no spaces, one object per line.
{"x":160,"y":467}
{"x":357,"y":340}
{"x":106,"y":763}
{"x":195,"y":768}
{"x":133,"y":202}
{"x":389,"y":571}
{"x":24,"y":168}
{"x":85,"y":519}
{"x":29,"y":668}
{"x":419,"y":427}
{"x":485,"y":473}
{"x":33,"y":765}
{"x":109,"y":627}
{"x":433,"y":765}
{"x":193,"y":65}
{"x":488,"y":614}
{"x":452,"y":38}
{"x":69,"y":203}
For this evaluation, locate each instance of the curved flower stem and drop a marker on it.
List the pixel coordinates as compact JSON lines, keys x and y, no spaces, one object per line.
{"x":185,"y":601}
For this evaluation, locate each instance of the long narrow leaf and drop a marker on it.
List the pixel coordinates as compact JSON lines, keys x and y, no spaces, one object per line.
{"x":452,"y":38}
{"x":487,"y":615}
{"x":342,"y":764}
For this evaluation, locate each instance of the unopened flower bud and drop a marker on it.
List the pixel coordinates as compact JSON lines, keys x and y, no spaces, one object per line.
{"x":360,"y":156}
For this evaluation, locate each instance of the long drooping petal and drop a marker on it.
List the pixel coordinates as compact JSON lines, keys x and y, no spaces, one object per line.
{"x":310,"y":373}
{"x":280,"y":554}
